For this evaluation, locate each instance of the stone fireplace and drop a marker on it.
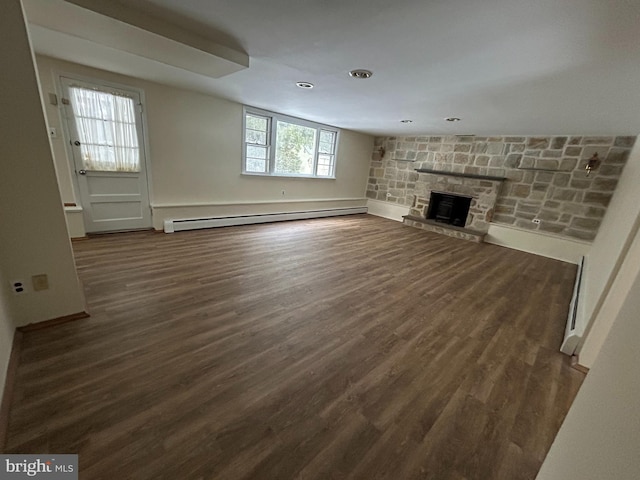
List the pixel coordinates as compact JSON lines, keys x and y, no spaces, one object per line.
{"x":449,"y":208}
{"x":454,"y":204}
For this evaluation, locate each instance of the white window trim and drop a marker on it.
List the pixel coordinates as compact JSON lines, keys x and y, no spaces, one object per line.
{"x":273,"y":119}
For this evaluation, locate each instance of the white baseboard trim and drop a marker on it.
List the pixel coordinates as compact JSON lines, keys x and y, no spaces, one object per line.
{"x":194,"y":210}
{"x":574,"y":330}
{"x":392,"y":211}
{"x":359,"y":200}
{"x":551,"y":246}
{"x":175,"y":225}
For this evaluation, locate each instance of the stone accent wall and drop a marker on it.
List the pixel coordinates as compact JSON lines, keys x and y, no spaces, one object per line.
{"x":546,"y":176}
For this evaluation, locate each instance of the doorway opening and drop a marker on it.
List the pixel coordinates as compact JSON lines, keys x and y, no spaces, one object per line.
{"x":106,"y":140}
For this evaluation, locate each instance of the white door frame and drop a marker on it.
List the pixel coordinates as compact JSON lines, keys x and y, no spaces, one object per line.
{"x":144,"y":142}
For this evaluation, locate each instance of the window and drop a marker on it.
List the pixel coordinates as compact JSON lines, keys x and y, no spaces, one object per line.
{"x":278,"y":145}
{"x":106,"y":125}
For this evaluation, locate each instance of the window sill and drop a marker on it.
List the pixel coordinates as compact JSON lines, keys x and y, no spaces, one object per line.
{"x":281,"y":175}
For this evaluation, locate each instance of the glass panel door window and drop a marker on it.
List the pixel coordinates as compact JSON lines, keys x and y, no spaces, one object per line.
{"x":106,"y":126}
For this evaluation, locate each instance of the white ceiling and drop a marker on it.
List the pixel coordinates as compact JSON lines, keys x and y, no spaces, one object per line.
{"x":511,"y":67}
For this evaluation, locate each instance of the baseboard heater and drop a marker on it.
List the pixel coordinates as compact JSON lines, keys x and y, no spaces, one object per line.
{"x":178,"y":225}
{"x":574,"y":329}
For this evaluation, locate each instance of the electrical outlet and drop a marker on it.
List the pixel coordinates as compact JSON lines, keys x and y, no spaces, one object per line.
{"x":40,"y":282}
{"x":536,"y":221}
{"x":18,"y":287}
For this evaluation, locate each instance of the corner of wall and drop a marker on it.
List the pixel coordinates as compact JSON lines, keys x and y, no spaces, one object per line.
{"x":7,"y":332}
{"x":613,"y":261}
{"x":34,"y":236}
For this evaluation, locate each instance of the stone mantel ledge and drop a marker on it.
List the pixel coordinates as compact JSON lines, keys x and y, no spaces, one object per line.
{"x":490,"y":178}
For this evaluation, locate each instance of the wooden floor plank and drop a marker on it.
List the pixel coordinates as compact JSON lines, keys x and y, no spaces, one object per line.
{"x":351,"y":347}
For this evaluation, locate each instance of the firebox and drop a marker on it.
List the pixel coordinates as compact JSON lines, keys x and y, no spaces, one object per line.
{"x":449,"y":208}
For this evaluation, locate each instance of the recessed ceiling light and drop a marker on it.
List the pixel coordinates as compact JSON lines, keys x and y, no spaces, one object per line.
{"x":360,"y":73}
{"x":304,"y":84}
{"x":406,"y":121}
{"x":453,"y":119}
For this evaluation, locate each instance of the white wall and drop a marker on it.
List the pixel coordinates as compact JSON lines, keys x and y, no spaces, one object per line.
{"x":7,"y":328}
{"x":33,"y":237}
{"x":600,"y":437}
{"x":195,"y":145}
{"x":601,"y":433}
{"x":608,"y":253}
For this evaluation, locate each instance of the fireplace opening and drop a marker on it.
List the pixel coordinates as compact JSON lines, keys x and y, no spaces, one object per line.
{"x":449,"y":208}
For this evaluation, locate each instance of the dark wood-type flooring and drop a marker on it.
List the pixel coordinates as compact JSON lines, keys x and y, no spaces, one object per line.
{"x":351,"y":347}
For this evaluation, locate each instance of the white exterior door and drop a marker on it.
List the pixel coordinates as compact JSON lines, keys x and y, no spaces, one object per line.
{"x":106,"y":139}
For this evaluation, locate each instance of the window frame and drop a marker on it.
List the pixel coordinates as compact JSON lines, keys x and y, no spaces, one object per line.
{"x":272,"y":132}
{"x":135,"y":106}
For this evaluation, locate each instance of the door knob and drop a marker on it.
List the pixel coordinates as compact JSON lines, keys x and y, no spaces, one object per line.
{"x":82,"y":172}
{"x":76,"y":143}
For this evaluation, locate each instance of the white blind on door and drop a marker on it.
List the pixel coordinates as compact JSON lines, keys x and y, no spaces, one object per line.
{"x":106,"y":125}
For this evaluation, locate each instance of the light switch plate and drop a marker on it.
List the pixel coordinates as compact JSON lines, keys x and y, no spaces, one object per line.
{"x":40,"y":282}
